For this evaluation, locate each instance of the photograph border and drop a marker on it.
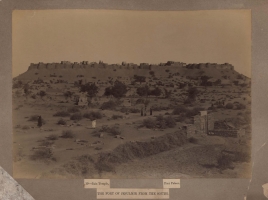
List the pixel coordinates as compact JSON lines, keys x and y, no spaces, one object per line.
{"x":203,"y":188}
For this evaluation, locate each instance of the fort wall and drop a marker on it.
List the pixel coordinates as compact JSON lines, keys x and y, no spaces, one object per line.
{"x":169,"y":65}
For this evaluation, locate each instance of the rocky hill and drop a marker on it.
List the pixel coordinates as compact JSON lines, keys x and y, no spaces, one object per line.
{"x":102,"y":71}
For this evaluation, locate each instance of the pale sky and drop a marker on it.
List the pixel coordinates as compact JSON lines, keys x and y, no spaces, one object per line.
{"x":131,"y":36}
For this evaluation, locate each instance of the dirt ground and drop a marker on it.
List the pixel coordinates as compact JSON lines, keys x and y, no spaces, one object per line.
{"x":191,"y":160}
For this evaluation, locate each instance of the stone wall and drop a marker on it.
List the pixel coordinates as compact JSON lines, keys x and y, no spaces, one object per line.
{"x":200,"y":125}
{"x":85,"y":64}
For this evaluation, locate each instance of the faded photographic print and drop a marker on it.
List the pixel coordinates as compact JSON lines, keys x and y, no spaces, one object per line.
{"x":131,"y":94}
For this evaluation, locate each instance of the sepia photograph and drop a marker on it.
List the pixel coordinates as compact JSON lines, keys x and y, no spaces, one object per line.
{"x":131,"y":94}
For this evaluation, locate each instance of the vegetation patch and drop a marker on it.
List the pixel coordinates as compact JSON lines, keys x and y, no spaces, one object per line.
{"x":67,"y":134}
{"x":73,"y":109}
{"x":160,"y":122}
{"x":52,"y":137}
{"x":92,"y":115}
{"x":110,"y":105}
{"x":61,"y":114}
{"x":114,"y":117}
{"x":62,"y":122}
{"x":76,"y":116}
{"x":114,"y":130}
{"x":133,"y":150}
{"x":42,"y":154}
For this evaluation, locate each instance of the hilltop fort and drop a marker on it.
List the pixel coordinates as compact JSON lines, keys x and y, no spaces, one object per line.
{"x":72,"y":71}
{"x":86,"y":65}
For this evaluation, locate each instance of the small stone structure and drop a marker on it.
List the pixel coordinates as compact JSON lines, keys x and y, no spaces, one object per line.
{"x":202,"y":124}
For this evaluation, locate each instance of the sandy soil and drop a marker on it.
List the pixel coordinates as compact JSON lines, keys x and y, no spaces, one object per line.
{"x":182,"y":162}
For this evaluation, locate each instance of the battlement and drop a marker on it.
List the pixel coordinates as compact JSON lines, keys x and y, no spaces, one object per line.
{"x":210,"y":65}
{"x":124,"y":65}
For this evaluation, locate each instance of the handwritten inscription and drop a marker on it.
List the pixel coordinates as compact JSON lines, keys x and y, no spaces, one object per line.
{"x":97,"y":183}
{"x":171,"y":183}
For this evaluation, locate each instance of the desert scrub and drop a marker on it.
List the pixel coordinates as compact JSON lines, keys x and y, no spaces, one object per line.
{"x":240,"y":106}
{"x":187,"y":112}
{"x":34,"y":118}
{"x":242,"y":157}
{"x":62,"y":122}
{"x":61,"y":114}
{"x":229,"y":106}
{"x":25,"y":127}
{"x":73,"y":110}
{"x":46,"y":143}
{"x":52,"y":137}
{"x":67,"y":134}
{"x":110,"y":105}
{"x":42,"y":154}
{"x":193,"y":140}
{"x":117,"y":117}
{"x":149,"y":123}
{"x":130,"y":110}
{"x":224,"y":162}
{"x":93,"y":115}
{"x":132,"y":150}
{"x":160,"y":122}
{"x":82,"y":166}
{"x":114,"y":130}
{"x":170,"y":121}
{"x":104,"y":167}
{"x":76,"y":116}
{"x":179,"y":109}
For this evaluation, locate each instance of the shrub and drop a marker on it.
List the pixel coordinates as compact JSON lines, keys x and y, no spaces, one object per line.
{"x":61,"y":114}
{"x":130,"y":110}
{"x":229,"y":106}
{"x":52,"y":137}
{"x":142,"y":101}
{"x":242,"y":157}
{"x":67,"y":134}
{"x":170,"y":122}
{"x":76,"y":116}
{"x":159,"y":108}
{"x":179,"y":109}
{"x":212,"y":108}
{"x":93,"y":115}
{"x":104,"y":166}
{"x":149,"y":123}
{"x":180,"y":118}
{"x":80,"y":166}
{"x":112,"y":130}
{"x":192,"y":140}
{"x":224,"y":162}
{"x":25,"y":127}
{"x":188,"y":101}
{"x":46,"y":143}
{"x":240,"y":106}
{"x":62,"y":122}
{"x":42,"y":154}
{"x":73,"y":110}
{"x":110,"y":105}
{"x":117,"y":117}
{"x":35,"y":119}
